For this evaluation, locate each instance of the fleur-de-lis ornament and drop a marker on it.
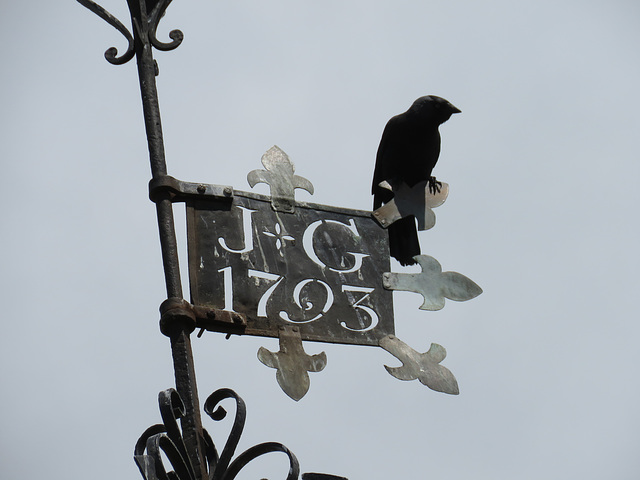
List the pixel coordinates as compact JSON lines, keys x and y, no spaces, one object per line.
{"x":422,"y":366}
{"x":292,"y":363}
{"x":433,"y":284}
{"x":279,"y":175}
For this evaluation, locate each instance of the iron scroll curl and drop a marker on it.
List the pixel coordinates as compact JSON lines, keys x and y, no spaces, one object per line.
{"x":175,"y":35}
{"x":166,"y":440}
{"x":145,"y":21}
{"x":226,"y":469}
{"x":111,"y":54}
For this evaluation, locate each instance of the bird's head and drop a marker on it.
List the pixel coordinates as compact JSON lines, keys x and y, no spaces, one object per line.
{"x":434,"y":108}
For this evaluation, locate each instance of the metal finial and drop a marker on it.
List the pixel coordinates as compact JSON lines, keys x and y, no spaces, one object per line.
{"x":433,"y":284}
{"x":422,"y":366}
{"x":292,"y":363}
{"x":279,"y":175}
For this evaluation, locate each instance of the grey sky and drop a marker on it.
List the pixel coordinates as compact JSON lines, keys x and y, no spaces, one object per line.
{"x":543,"y":166}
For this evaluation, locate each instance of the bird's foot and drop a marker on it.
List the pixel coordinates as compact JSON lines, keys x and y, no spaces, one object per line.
{"x":434,"y":185}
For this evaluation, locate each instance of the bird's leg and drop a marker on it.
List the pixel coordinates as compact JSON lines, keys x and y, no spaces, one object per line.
{"x":434,"y":185}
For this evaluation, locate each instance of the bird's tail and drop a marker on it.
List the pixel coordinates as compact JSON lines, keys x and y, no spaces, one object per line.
{"x":403,"y":240}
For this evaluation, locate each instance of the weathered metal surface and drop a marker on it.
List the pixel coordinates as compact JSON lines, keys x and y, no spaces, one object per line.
{"x":417,"y":201}
{"x":318,"y":269}
{"x":433,"y":284}
{"x":292,"y":363}
{"x":279,"y":175}
{"x":422,"y":366}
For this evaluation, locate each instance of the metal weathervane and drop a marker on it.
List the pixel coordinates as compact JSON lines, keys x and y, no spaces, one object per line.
{"x":272,"y":266}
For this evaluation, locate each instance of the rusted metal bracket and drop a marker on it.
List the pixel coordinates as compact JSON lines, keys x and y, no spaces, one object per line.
{"x":177,"y":313}
{"x":168,"y":187}
{"x":222,"y":321}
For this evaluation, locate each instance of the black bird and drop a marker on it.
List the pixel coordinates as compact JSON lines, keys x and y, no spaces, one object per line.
{"x":408,"y":151}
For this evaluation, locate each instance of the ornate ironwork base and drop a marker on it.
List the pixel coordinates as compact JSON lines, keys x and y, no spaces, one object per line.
{"x":165,"y":439}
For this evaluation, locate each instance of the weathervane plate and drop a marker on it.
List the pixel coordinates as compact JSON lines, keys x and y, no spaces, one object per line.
{"x":317,"y":268}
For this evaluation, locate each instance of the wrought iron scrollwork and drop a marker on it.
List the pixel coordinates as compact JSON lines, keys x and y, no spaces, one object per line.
{"x":166,"y":440}
{"x":175,"y":35}
{"x":165,"y":437}
{"x":225,"y":469}
{"x":145,"y":15}
{"x":112,"y":53}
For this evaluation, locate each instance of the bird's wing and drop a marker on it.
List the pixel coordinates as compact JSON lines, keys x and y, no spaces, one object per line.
{"x":387,"y":160}
{"x":384,"y":157}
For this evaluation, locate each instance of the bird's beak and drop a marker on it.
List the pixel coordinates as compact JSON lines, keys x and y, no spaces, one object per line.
{"x":455,"y":109}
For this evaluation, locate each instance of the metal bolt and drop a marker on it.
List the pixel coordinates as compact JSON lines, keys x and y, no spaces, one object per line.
{"x":228,"y":191}
{"x":211,"y":314}
{"x":236,"y":318}
{"x":202,"y":188}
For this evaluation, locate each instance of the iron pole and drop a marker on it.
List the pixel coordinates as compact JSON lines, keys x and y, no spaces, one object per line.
{"x":176,"y":322}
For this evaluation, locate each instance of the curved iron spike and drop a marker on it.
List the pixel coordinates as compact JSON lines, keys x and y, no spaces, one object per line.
{"x":141,"y":444}
{"x":210,"y":452}
{"x":181,"y":465}
{"x":176,"y":35}
{"x":171,"y":409}
{"x":111,"y":54}
{"x":217,"y":413}
{"x":145,"y":463}
{"x":225,"y":469}
{"x":256,"y":451}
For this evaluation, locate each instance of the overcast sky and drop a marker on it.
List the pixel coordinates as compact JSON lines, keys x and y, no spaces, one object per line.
{"x":543,"y":166}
